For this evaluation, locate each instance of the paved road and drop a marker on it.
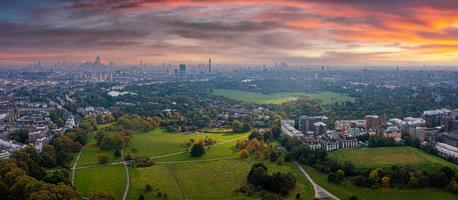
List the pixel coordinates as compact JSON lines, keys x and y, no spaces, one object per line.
{"x":320,"y":192}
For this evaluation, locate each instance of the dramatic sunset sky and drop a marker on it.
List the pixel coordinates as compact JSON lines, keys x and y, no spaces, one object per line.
{"x":301,"y":32}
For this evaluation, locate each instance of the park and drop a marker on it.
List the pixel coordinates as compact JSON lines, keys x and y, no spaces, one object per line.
{"x":279,"y":98}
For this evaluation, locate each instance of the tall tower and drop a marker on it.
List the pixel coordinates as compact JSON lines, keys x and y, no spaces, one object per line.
{"x":97,"y":60}
{"x":209,"y":65}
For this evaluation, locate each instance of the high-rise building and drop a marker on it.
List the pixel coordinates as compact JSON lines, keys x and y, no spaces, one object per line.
{"x":97,"y":60}
{"x":182,"y":70}
{"x":209,"y":65}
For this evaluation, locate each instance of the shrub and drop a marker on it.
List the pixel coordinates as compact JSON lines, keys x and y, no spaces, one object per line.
{"x":197,"y":150}
{"x":102,"y":159}
{"x":359,"y":180}
{"x":143,"y":162}
{"x":273,"y":156}
{"x":148,"y":188}
{"x":244,"y":154}
{"x":128,"y":157}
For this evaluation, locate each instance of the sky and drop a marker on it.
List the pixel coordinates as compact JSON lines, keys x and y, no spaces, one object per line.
{"x":297,"y":32}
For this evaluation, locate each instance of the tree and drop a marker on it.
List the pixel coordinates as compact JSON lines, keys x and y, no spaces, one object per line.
{"x":349,"y":168}
{"x":47,"y":157}
{"x":102,"y":158}
{"x":197,"y":150}
{"x":148,"y":188}
{"x":102,"y":196}
{"x":237,"y":126}
{"x":332,"y":177}
{"x":244,"y":154}
{"x":257,"y":174}
{"x":276,"y":131}
{"x":116,"y":153}
{"x":246,"y":127}
{"x":340,"y":175}
{"x":439,"y":180}
{"x":21,"y":135}
{"x":273,"y":156}
{"x":359,"y":181}
{"x":386,"y":181}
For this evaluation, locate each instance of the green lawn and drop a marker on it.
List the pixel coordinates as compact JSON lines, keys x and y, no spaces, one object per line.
{"x":385,"y":157}
{"x":278,"y":98}
{"x":207,"y":180}
{"x":110,"y":179}
{"x":159,"y":142}
{"x":346,"y":189}
{"x":90,"y":152}
{"x":158,"y":176}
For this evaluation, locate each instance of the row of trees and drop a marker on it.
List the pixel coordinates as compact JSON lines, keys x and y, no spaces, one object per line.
{"x":258,"y":144}
{"x":137,"y":123}
{"x":407,"y":177}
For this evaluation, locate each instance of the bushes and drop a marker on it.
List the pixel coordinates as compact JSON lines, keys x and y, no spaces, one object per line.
{"x":244,"y":154}
{"x":197,"y":150}
{"x":102,"y":159}
{"x":143,"y":162}
{"x":137,"y":123}
{"x":278,"y":182}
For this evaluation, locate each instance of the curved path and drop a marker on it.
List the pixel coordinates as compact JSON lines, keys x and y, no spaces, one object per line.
{"x":320,"y":193}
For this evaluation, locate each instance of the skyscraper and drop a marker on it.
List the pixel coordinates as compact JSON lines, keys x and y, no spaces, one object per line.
{"x":209,"y":65}
{"x":182,"y":70}
{"x":97,"y":60}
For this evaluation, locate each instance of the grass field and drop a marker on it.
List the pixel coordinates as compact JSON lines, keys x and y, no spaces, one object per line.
{"x":159,"y":142}
{"x":107,"y":178}
{"x":278,"y":98}
{"x":346,"y":189}
{"x":385,"y":157}
{"x":91,"y":151}
{"x":207,"y":180}
{"x":157,"y":176}
{"x":216,"y":179}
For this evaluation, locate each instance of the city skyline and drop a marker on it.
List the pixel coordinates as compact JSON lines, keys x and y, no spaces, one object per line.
{"x":375,"y":33}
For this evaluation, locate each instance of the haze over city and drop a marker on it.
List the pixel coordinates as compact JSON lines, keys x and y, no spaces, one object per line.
{"x":297,"y":32}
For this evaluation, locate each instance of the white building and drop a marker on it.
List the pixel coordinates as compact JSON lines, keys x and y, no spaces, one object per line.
{"x":447,"y":151}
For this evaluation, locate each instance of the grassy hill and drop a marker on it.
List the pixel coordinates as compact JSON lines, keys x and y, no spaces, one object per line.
{"x":215,"y":175}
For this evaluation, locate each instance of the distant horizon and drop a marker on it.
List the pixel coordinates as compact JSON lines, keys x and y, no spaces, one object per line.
{"x":298,"y":32}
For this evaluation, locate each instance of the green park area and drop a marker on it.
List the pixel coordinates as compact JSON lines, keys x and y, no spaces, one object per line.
{"x":175,"y":174}
{"x":158,"y":142}
{"x":111,"y":179}
{"x":206,"y":180}
{"x":385,"y":157}
{"x":346,"y":189}
{"x":91,"y":151}
{"x":278,"y":98}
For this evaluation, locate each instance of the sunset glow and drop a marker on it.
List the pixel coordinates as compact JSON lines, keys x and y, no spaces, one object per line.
{"x":302,"y":32}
